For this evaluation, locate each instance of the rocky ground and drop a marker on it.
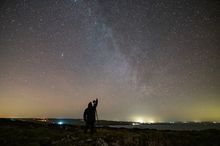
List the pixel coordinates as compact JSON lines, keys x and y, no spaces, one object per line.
{"x":18,"y":133}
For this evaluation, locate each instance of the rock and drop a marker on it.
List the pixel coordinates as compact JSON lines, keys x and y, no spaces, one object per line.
{"x":115,"y":144}
{"x":89,"y":140}
{"x":54,"y":142}
{"x":101,"y":142}
{"x":74,"y":138}
{"x":45,"y":142}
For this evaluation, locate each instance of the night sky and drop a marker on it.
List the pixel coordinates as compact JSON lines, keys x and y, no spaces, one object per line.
{"x":145,"y":60}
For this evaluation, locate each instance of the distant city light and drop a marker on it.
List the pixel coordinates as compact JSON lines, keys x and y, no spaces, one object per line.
{"x":135,"y":124}
{"x":43,"y":120}
{"x":197,"y":121}
{"x":139,"y":120}
{"x":60,"y":123}
{"x":143,"y":119}
{"x":151,"y":121}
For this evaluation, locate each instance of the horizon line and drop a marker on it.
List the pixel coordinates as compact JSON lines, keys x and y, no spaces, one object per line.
{"x":188,"y":121}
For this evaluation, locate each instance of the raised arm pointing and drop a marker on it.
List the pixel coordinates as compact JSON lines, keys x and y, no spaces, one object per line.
{"x":95,"y":103}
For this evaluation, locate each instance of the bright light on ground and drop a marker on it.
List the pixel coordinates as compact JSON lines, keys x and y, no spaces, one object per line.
{"x":60,"y":123}
{"x":135,"y":124}
{"x":141,"y":119}
{"x":151,"y":121}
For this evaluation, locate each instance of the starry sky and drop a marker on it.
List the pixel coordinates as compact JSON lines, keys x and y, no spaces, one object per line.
{"x":145,"y":60}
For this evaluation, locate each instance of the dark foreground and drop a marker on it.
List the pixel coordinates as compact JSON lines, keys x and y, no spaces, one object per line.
{"x":19,"y":133}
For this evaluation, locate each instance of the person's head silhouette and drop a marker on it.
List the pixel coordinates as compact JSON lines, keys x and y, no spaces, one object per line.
{"x":90,"y":105}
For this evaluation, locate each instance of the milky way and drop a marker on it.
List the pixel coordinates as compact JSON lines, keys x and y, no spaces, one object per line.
{"x":153,"y":60}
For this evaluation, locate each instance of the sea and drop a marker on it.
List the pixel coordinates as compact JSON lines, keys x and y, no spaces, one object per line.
{"x":173,"y":126}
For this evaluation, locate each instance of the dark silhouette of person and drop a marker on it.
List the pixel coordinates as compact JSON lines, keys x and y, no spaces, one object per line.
{"x":89,"y":116}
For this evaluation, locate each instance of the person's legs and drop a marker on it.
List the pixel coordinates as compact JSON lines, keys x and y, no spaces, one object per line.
{"x":86,"y":127}
{"x":92,"y":127}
